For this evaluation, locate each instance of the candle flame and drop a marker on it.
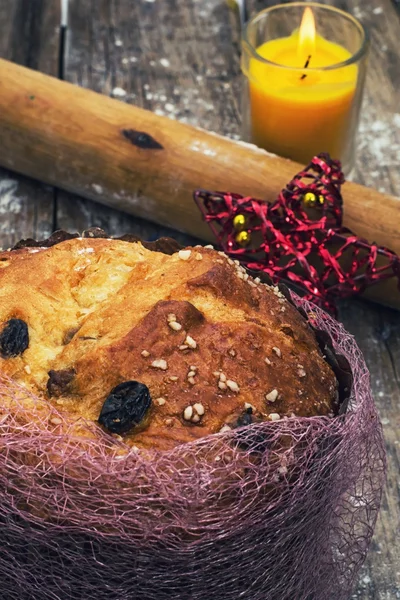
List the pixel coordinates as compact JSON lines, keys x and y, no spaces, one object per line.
{"x":307,"y":34}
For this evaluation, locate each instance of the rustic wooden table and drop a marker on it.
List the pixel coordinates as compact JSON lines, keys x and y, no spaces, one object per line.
{"x":181,"y":58}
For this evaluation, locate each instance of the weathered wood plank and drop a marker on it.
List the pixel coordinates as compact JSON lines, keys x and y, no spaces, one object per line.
{"x":29,"y":33}
{"x":173,"y":58}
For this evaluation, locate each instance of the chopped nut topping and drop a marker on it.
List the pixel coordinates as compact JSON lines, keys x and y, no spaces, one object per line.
{"x":188,"y":413}
{"x":191,"y":373}
{"x":169,"y":422}
{"x":160,"y":401}
{"x":171,"y":317}
{"x":27,"y":369}
{"x":225,"y":428}
{"x":233,"y":386}
{"x":191,"y":380}
{"x":232,"y":352}
{"x":271,"y":396}
{"x":301,"y":373}
{"x":175,"y":325}
{"x":230,"y":261}
{"x":257,"y":280}
{"x":184,"y":254}
{"x":209,"y":247}
{"x":222,"y":377}
{"x":190,"y":342}
{"x":247,"y":405}
{"x":274,"y":417}
{"x":221,"y":385}
{"x":145,"y":354}
{"x":199,"y":408}
{"x":277,"y":351}
{"x":173,"y":378}
{"x":183,"y":347}
{"x":240,"y":275}
{"x":160,"y":364}
{"x":193,"y":368}
{"x":251,"y":284}
{"x":198,"y":256}
{"x":268,"y":361}
{"x":277,"y":292}
{"x":217,"y":373}
{"x":194,"y":413}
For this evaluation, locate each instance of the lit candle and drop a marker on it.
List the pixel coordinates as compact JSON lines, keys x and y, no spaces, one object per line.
{"x":302,"y":95}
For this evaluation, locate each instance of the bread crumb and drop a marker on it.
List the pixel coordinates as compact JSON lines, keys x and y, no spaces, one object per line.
{"x":27,"y":369}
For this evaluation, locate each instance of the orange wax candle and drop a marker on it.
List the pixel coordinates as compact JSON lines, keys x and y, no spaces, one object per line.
{"x":299,"y":107}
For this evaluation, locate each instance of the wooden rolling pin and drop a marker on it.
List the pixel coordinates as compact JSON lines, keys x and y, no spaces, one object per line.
{"x":147,"y":165}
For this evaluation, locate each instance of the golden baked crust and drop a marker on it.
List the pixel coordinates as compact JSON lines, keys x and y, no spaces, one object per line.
{"x":101,"y":312}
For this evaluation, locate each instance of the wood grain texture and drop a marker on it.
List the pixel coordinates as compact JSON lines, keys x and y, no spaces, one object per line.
{"x":183,"y":72}
{"x":28,"y":36}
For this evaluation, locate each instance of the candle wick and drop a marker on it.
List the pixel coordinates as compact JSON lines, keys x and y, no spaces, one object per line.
{"x":305,"y":66}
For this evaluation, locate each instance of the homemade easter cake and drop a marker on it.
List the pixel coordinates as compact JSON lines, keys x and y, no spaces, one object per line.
{"x":158,"y":349}
{"x":171,"y":426}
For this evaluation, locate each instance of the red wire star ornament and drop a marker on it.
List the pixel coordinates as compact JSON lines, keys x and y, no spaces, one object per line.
{"x":300,"y":237}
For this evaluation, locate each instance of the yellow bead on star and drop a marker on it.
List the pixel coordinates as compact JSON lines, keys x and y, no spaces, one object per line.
{"x":239,"y":222}
{"x":310,"y":199}
{"x":243,"y":238}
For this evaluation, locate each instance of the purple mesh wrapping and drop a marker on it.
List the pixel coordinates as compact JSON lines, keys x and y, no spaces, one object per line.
{"x":272,"y":511}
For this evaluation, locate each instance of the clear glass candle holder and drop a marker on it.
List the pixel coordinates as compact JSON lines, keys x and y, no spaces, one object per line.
{"x":303,"y":94}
